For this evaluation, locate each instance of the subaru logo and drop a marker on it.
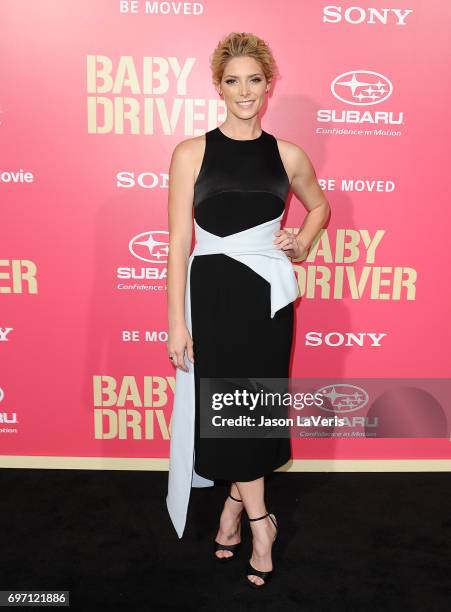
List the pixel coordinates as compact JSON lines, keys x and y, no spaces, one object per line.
{"x":343,"y":398}
{"x":150,"y":246}
{"x":361,"y":87}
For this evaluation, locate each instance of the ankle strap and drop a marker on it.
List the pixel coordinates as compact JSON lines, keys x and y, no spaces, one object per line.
{"x":234,"y":498}
{"x":260,"y":517}
{"x":271,"y":518}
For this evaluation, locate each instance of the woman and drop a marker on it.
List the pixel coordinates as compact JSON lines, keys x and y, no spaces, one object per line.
{"x":231,"y":303}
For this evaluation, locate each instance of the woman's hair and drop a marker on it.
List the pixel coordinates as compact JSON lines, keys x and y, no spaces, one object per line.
{"x":239,"y":44}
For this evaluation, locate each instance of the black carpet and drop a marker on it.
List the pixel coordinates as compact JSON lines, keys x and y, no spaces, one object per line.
{"x":370,"y":542}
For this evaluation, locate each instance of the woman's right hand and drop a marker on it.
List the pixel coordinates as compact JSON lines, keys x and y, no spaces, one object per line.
{"x":179,"y":340}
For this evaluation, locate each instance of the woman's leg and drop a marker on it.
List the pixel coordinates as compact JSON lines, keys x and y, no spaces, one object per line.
{"x":234,"y":491}
{"x":229,"y":531}
{"x":252,"y":493}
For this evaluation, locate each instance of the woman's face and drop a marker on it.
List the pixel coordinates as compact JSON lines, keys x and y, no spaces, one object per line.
{"x":243,"y":80}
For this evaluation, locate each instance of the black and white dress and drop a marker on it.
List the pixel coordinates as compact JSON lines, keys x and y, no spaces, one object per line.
{"x":239,"y":307}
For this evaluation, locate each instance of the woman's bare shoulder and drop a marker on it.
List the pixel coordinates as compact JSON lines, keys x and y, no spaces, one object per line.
{"x":188,"y":154}
{"x":190,"y":147}
{"x":291,"y":149}
{"x":294,"y":158}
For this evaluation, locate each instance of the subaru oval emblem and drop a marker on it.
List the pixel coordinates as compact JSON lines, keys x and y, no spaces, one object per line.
{"x":152,"y":246}
{"x":361,"y":87}
{"x":343,"y":398}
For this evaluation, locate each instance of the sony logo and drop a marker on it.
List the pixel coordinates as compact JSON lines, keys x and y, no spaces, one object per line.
{"x":359,"y":14}
{"x":343,"y":338}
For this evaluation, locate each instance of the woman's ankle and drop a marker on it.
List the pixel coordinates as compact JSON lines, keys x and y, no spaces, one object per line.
{"x":233,"y":507}
{"x":263,"y":531}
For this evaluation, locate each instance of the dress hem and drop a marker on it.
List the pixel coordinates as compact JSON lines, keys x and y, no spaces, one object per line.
{"x":247,"y":479}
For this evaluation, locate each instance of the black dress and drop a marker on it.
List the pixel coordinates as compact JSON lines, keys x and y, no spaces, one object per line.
{"x":241,"y":183}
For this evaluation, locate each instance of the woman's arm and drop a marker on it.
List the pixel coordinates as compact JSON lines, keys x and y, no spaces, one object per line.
{"x":307,"y":189}
{"x":180,"y":223}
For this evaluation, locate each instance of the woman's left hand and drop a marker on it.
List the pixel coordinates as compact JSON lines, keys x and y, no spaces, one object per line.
{"x":290,"y":244}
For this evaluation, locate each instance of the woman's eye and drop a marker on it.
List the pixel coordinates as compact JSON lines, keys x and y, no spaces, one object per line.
{"x":255,"y":80}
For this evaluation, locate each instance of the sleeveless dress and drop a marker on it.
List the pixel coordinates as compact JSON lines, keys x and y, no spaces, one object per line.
{"x":241,"y":183}
{"x":239,"y":307}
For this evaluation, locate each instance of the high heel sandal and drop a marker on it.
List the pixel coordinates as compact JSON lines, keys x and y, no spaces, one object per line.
{"x":252,"y":571}
{"x":234,"y":548}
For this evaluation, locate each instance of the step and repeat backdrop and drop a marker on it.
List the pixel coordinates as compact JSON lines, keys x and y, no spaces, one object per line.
{"x":95,"y":96}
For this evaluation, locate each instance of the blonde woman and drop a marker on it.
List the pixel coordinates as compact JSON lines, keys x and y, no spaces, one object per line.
{"x":231,"y":302}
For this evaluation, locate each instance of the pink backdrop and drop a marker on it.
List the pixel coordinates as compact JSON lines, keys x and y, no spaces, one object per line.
{"x":94,"y":97}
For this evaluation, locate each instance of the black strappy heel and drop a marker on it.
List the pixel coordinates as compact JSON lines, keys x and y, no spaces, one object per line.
{"x":266,"y":576}
{"x":234,"y":548}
